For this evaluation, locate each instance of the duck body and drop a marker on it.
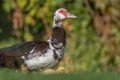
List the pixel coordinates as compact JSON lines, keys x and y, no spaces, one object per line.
{"x":36,"y":54}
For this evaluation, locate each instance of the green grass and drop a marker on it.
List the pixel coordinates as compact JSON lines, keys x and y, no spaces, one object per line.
{"x":11,"y":74}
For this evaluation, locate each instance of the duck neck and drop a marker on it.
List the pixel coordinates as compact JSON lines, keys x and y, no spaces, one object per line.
{"x":58,"y":39}
{"x":57,"y":22}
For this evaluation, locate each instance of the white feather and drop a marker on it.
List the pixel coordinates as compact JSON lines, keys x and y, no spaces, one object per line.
{"x":44,"y":61}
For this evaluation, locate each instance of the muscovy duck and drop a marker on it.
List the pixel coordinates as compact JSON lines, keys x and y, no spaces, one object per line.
{"x":39,"y":55}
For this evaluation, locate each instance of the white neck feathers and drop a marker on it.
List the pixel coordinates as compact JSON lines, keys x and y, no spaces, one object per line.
{"x":57,"y":22}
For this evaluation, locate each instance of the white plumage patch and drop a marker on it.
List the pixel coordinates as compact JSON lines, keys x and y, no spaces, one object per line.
{"x":41,"y":62}
{"x":23,"y":57}
{"x":32,"y":50}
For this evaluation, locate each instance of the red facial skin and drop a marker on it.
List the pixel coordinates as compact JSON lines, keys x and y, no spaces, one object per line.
{"x":64,"y":12}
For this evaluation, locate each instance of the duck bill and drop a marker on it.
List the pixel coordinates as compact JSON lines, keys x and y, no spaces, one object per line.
{"x":71,"y":16}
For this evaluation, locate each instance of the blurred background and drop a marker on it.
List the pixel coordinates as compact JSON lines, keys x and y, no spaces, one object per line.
{"x":93,"y":39}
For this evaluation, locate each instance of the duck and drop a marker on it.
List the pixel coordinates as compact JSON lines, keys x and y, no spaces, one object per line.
{"x":39,"y":55}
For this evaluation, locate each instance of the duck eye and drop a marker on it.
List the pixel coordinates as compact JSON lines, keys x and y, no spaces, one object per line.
{"x":62,"y":11}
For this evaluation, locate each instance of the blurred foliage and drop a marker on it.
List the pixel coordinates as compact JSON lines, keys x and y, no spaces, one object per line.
{"x":93,"y":38}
